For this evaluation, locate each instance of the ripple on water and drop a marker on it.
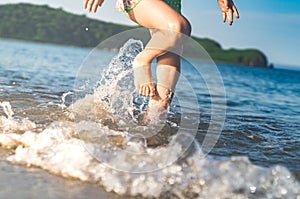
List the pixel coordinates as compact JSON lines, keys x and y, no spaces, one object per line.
{"x":47,"y":136}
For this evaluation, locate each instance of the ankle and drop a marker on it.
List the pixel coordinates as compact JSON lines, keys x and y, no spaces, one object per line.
{"x":163,"y":100}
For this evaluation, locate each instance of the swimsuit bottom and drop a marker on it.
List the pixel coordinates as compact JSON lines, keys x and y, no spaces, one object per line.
{"x":127,"y":5}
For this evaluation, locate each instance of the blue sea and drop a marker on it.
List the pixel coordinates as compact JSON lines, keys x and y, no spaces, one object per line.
{"x":70,"y":128}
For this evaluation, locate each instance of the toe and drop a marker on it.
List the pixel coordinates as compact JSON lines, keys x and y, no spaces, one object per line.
{"x":147,"y":91}
{"x":152,"y":91}
{"x":144,"y":90}
{"x":140,"y":90}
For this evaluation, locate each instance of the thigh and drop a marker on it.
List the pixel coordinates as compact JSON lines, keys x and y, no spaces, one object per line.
{"x":155,"y":14}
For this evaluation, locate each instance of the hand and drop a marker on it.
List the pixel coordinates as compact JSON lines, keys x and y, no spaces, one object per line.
{"x":228,"y":9}
{"x":92,"y":5}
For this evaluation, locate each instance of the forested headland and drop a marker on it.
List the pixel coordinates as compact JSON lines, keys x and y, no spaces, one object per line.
{"x":45,"y":24}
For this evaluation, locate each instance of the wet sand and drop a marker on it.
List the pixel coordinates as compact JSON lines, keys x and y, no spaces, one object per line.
{"x":34,"y":183}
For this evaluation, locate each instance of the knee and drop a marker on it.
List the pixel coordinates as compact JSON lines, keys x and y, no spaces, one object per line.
{"x":180,"y":31}
{"x":182,"y":26}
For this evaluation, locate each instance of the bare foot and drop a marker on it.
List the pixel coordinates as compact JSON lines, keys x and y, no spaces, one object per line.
{"x":143,"y":80}
{"x":158,"y":105}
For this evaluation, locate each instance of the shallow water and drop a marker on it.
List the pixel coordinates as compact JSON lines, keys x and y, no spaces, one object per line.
{"x":47,"y":128}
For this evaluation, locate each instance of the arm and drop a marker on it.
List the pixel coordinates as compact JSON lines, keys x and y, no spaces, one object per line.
{"x":228,"y":9}
{"x":92,"y":5}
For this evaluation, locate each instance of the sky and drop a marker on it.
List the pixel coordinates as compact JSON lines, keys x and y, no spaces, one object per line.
{"x":272,"y":26}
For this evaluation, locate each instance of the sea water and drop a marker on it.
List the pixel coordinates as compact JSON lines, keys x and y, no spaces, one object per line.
{"x":90,"y":135}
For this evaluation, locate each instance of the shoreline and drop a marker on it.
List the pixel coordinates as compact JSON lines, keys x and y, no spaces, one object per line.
{"x":113,"y":50}
{"x":19,"y":181}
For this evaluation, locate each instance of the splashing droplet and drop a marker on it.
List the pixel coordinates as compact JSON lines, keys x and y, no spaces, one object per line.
{"x":7,"y":109}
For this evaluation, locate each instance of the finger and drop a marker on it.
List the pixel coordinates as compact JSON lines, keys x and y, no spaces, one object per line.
{"x":230,"y":16}
{"x":90,"y":5}
{"x":235,"y":11}
{"x":85,"y":4}
{"x":95,"y":6}
{"x":101,"y":2}
{"x":224,"y":16}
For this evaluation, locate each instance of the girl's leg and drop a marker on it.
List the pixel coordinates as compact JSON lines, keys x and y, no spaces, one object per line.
{"x":167,"y":72}
{"x":168,"y":27}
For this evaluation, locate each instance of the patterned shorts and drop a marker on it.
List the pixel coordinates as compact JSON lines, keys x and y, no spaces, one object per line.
{"x":127,"y":5}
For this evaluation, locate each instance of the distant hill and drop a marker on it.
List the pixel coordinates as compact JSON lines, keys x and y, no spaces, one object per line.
{"x":45,"y":24}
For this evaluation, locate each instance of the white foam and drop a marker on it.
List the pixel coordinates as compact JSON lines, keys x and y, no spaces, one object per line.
{"x":57,"y":150}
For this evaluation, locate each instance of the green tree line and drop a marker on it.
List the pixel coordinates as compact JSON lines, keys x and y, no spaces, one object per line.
{"x":45,"y":24}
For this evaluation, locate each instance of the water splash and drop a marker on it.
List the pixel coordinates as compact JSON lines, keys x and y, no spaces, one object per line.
{"x":62,"y":148}
{"x":10,"y":124}
{"x":7,"y":109}
{"x":116,"y":83}
{"x":63,"y":99}
{"x":114,"y":93}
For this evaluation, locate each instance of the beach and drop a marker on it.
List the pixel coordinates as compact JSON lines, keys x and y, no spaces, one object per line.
{"x":57,"y":114}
